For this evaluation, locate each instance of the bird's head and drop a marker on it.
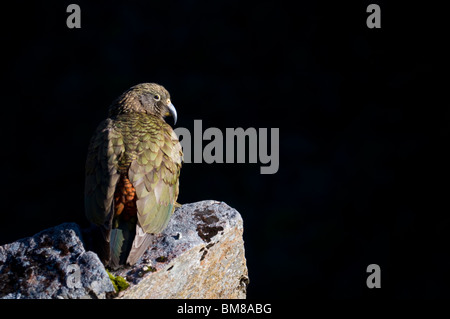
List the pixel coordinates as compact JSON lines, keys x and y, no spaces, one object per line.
{"x":150,"y":98}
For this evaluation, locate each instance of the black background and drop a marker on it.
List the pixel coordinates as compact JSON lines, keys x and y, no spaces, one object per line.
{"x":363,"y":174}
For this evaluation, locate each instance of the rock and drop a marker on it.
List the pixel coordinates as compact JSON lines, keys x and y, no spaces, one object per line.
{"x":52,"y":264}
{"x":199,"y":255}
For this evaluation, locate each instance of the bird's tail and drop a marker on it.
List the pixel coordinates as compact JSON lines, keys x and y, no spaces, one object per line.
{"x":120,"y":243}
{"x":116,"y":244}
{"x":141,"y":242}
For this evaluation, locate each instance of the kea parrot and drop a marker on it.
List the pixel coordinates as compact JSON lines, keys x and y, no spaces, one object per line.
{"x":132,"y":174}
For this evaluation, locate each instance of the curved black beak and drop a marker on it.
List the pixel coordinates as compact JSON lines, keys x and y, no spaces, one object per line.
{"x":173,"y":112}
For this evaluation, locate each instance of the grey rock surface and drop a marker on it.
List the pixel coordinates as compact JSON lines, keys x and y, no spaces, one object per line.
{"x":52,"y":264}
{"x":199,"y":255}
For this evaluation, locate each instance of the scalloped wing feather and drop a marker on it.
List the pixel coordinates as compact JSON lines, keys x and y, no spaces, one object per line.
{"x":102,"y":175}
{"x":154,"y":173}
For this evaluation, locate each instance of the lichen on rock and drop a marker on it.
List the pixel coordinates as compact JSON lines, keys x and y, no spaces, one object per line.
{"x":52,"y":264}
{"x":199,"y":255}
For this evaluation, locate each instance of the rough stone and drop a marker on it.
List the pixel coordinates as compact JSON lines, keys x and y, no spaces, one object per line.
{"x":52,"y":264}
{"x":199,"y":255}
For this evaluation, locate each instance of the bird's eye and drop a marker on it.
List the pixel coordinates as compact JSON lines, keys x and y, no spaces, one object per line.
{"x":157,"y":97}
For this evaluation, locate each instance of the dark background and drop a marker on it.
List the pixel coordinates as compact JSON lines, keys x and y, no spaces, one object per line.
{"x":363,"y":174}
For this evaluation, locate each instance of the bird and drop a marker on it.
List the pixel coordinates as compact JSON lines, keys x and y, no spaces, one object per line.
{"x":132,"y":174}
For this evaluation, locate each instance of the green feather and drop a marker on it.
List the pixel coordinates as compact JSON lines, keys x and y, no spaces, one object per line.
{"x":145,"y":148}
